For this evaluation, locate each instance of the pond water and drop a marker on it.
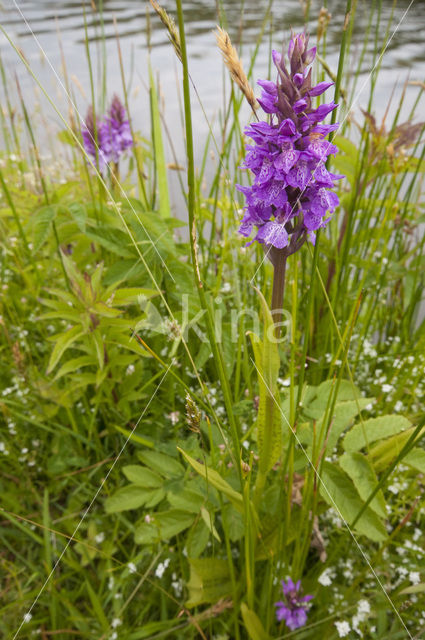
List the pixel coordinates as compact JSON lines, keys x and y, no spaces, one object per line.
{"x":37,"y":27}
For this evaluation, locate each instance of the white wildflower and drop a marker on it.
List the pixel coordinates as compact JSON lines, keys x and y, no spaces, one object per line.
{"x":343,"y":628}
{"x":325,"y":578}
{"x":116,"y":622}
{"x":132,"y":567}
{"x":160,"y":570}
{"x":414,"y":577}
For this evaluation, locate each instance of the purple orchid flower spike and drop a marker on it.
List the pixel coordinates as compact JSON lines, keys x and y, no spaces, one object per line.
{"x":119,"y":129}
{"x":113,"y":134}
{"x":96,"y":137}
{"x":293,"y":610}
{"x":291,"y":183}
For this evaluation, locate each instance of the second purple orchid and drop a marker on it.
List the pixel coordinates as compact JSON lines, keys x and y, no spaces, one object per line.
{"x":113,"y":134}
{"x":290,"y":197}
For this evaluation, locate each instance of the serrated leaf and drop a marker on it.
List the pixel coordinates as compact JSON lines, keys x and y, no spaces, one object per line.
{"x":344,"y":414}
{"x":253,"y":624}
{"x":209,"y":581}
{"x":142,"y":476}
{"x":79,"y":214}
{"x":374,"y":429}
{"x":42,"y":222}
{"x":214,"y":478}
{"x":358,"y":468}
{"x":113,"y":240}
{"x":338,"y":491}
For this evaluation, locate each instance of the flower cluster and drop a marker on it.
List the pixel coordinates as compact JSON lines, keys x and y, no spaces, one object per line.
{"x":112,"y":133}
{"x":290,"y":197}
{"x":294,"y":609}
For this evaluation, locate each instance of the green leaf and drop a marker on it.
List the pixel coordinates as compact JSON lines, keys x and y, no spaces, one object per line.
{"x":132,"y":295}
{"x":197,"y":539}
{"x":79,"y":213}
{"x":163,"y":525}
{"x":215,"y":479}
{"x":316,"y":399}
{"x":414,"y":588}
{"x":97,"y":607}
{"x":42,"y":222}
{"x":135,"y":437}
{"x":74,"y":365}
{"x":142,"y":476}
{"x":113,"y":240}
{"x":269,"y":418}
{"x":158,"y":149}
{"x":374,"y":429}
{"x":416,"y":459}
{"x":339,"y":492}
{"x":126,"y":498}
{"x":186,"y":500}
{"x":233,"y":522}
{"x":361,"y":472}
{"x":209,"y":581}
{"x":383,"y":453}
{"x":208,"y":518}
{"x":344,"y":414}
{"x":253,"y":624}
{"x":63,"y":342}
{"x":165,"y":465}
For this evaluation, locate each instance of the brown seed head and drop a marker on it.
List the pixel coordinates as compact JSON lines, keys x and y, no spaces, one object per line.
{"x":173,"y":34}
{"x":234,"y":64}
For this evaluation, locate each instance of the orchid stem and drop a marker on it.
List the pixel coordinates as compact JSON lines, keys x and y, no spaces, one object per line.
{"x":279,"y":264}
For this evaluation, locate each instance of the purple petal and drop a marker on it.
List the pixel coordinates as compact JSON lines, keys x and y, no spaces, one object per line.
{"x":273,"y":233}
{"x":319,"y":89}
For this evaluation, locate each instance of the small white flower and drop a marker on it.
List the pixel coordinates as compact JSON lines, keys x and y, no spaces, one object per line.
{"x":343,"y":628}
{"x":100,"y":537}
{"x":27,"y":617}
{"x":111,"y":582}
{"x":114,"y":635}
{"x":414,"y":577}
{"x":174,"y":417}
{"x":387,"y":388}
{"x":116,"y":622}
{"x":160,"y":570}
{"x":363,"y":607}
{"x":325,"y":578}
{"x":398,"y":406}
{"x":132,"y":567}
